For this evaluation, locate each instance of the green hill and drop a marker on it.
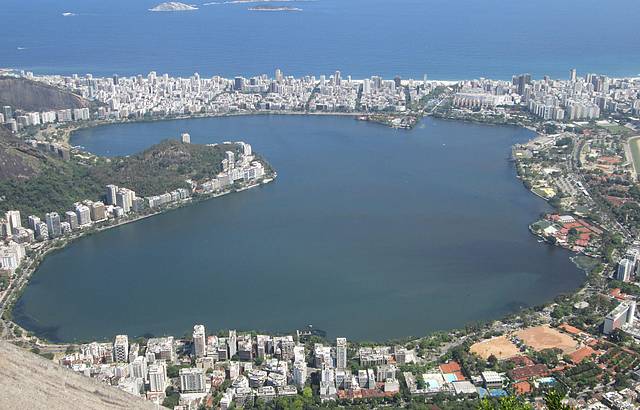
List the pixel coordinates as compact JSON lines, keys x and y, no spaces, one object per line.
{"x":58,"y":184}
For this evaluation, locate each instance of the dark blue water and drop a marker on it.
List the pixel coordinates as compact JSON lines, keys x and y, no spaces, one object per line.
{"x":368,"y":232}
{"x":448,"y":39}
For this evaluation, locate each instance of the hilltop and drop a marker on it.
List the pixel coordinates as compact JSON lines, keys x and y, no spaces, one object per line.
{"x":18,"y":160}
{"x":27,"y":95}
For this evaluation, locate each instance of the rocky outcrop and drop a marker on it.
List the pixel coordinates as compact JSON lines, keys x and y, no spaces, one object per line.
{"x":27,"y":95}
{"x":28,"y":381}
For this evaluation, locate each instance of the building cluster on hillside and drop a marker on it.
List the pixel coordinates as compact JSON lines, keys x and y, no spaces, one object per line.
{"x":161,"y":95}
{"x":17,"y":120}
{"x":243,"y":168}
{"x":578,"y":98}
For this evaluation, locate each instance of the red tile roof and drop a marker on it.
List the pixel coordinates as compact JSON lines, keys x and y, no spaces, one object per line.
{"x":527,"y":372}
{"x":570,"y":329}
{"x":581,"y":354}
{"x":521,"y":361}
{"x":450,"y":367}
{"x":522,"y":387}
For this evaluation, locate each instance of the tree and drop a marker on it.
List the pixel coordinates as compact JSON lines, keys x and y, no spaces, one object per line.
{"x":505,"y":403}
{"x":553,"y":400}
{"x":172,"y":399}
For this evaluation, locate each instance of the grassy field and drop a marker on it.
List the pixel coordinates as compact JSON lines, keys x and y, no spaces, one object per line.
{"x":634,"y":145}
{"x":616,"y":129}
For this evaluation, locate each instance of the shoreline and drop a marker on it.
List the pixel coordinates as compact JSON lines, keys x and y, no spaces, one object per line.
{"x":68,"y":133}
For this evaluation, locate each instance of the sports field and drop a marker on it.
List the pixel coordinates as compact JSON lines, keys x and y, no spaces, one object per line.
{"x":634,"y":146}
{"x":544,"y":337}
{"x":500,"y":347}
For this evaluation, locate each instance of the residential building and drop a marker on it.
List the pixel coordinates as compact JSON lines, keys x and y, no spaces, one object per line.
{"x":192,"y":380}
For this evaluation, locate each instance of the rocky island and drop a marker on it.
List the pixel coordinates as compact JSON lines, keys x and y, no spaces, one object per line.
{"x":173,"y":6}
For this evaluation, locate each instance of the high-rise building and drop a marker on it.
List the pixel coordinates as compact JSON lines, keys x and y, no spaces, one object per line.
{"x":157,"y":377}
{"x":72,"y":219}
{"x":341,"y":353}
{"x":121,"y":349}
{"x":122,"y":200}
{"x":232,"y":341}
{"x":5,"y":228}
{"x":13,"y":218}
{"x":53,"y":224}
{"x":625,"y":269}
{"x":84,"y":215}
{"x":238,"y":83}
{"x":199,"y":340}
{"x":573,"y":75}
{"x":111,"y":194}
{"x":231,"y":159}
{"x":246,"y":148}
{"x":623,"y":314}
{"x":8,"y":112}
{"x":299,"y":373}
{"x":98,"y":212}
{"x":33,"y":221}
{"x":186,"y":138}
{"x":162,"y":348}
{"x":138,"y":367}
{"x":521,"y":82}
{"x":192,"y":380}
{"x":42,"y":231}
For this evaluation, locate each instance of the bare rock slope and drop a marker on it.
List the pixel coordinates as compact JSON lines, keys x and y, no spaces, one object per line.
{"x":28,"y":381}
{"x":28,"y":95}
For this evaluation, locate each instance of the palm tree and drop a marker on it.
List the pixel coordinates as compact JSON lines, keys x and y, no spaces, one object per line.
{"x":553,"y":400}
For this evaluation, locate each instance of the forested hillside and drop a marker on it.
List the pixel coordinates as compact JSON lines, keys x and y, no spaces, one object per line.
{"x":161,"y":168}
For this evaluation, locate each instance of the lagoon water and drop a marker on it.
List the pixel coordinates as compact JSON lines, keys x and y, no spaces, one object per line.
{"x":368,"y":232}
{"x":448,"y":39}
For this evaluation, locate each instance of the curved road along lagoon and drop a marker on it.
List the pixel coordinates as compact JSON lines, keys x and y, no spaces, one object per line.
{"x":368,"y":232}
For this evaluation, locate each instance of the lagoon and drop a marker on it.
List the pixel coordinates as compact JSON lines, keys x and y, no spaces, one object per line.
{"x":368,"y":232}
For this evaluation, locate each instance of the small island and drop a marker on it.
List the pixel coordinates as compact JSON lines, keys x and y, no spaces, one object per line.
{"x":173,"y":6}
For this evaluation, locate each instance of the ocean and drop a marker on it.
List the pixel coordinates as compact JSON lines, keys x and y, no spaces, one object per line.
{"x":445,"y":39}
